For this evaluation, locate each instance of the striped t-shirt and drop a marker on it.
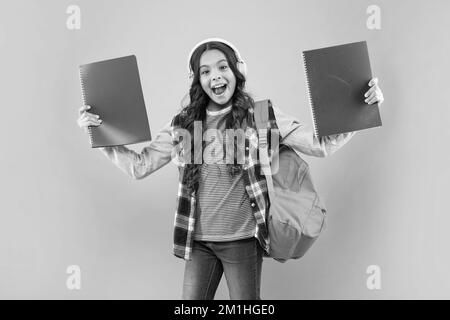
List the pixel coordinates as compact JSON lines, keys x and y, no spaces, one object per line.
{"x":223,"y":207}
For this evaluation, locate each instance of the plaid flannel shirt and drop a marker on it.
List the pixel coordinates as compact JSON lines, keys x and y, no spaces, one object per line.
{"x":255,"y":185}
{"x":160,"y":151}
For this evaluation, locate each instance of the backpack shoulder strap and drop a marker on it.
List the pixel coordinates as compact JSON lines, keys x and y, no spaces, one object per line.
{"x":261,"y":114}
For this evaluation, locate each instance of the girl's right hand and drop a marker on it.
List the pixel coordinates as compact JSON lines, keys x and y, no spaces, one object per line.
{"x":87,"y":119}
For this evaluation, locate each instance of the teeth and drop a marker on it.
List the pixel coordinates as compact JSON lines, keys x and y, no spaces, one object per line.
{"x":218,"y":86}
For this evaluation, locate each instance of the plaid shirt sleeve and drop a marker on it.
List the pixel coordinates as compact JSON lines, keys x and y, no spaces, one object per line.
{"x":302,"y":138}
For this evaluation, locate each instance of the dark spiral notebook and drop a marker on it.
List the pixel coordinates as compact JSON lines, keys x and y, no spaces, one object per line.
{"x":337,"y":78}
{"x":113,"y":90}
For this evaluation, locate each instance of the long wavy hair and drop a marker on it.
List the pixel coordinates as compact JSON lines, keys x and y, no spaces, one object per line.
{"x":196,"y":109}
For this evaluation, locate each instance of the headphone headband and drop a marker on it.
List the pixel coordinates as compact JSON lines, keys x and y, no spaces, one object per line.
{"x":238,"y":55}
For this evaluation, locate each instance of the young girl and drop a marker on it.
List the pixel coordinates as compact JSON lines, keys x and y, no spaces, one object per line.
{"x":220,"y":221}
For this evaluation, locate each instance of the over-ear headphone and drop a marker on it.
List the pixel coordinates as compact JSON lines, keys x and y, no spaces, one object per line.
{"x":241,"y":65}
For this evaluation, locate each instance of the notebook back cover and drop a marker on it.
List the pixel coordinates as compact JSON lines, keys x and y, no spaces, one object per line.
{"x":337,"y":79}
{"x":113,"y":90}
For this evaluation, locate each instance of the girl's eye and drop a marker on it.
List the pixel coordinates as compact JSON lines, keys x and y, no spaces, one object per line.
{"x":206,"y":71}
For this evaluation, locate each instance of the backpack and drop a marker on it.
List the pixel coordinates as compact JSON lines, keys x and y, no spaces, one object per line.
{"x":296,"y":216}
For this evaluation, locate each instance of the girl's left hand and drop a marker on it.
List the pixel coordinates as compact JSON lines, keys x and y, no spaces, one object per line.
{"x":374,"y":94}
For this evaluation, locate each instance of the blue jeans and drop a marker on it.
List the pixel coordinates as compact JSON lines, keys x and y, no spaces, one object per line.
{"x":240,"y":260}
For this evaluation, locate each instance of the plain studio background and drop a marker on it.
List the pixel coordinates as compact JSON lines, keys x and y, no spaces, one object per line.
{"x":64,"y":203}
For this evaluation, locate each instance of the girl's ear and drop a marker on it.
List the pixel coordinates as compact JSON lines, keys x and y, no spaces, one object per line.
{"x":185,"y":101}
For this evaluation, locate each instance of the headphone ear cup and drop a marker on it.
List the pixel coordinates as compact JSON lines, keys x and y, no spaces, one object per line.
{"x":242,"y":67}
{"x":190,"y":78}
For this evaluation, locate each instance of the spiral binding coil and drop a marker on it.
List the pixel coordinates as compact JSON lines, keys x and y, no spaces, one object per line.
{"x":309,"y":96}
{"x":84,"y":102}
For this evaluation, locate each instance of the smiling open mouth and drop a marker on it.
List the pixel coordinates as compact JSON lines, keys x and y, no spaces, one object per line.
{"x":220,"y":90}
